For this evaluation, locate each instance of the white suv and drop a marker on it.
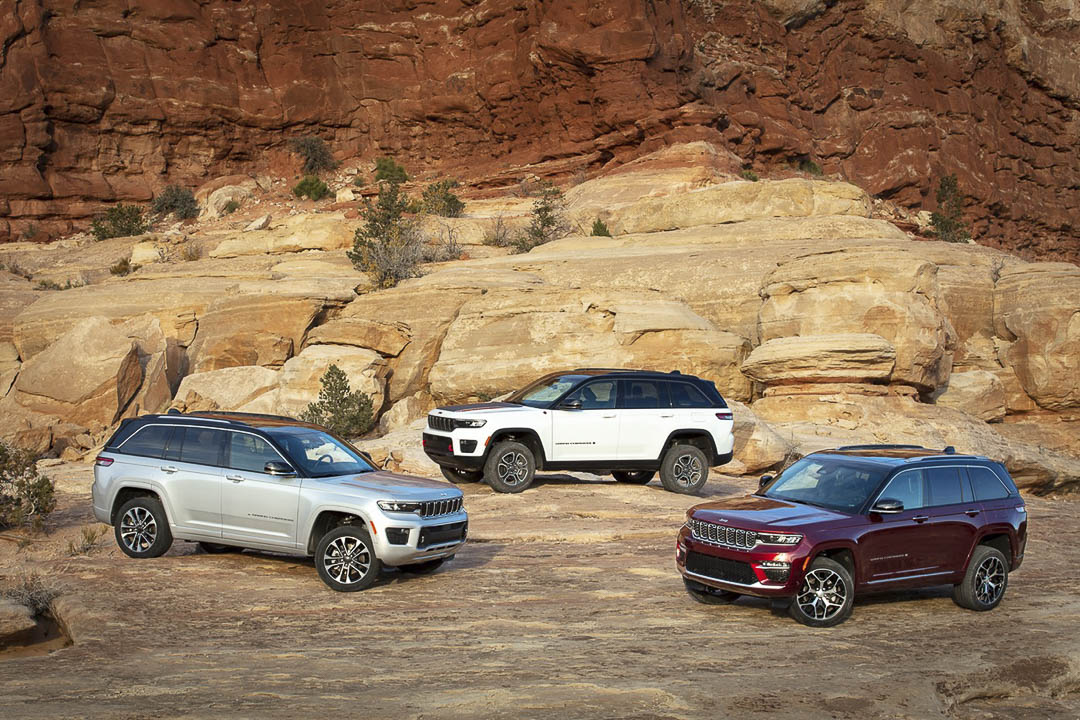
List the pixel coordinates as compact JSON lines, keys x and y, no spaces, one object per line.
{"x":628,"y":423}
{"x":231,"y":481}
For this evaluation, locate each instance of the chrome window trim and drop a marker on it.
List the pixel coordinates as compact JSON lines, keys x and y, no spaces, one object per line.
{"x":1008,"y":492}
{"x":269,"y":444}
{"x":931,"y":467}
{"x":226,"y":429}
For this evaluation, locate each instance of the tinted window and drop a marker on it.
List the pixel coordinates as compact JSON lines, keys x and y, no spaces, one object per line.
{"x":250,"y":452}
{"x":545,"y":391}
{"x":150,"y":441}
{"x":685,"y":395}
{"x":945,"y":486}
{"x":599,"y":395}
{"x":317,"y":453}
{"x":828,"y":482}
{"x":641,"y":394}
{"x":203,"y":446}
{"x":985,"y":484}
{"x":907,"y":487}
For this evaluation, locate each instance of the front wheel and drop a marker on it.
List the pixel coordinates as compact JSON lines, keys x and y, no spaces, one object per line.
{"x":345,"y":559}
{"x":826,"y":596}
{"x":984,"y":582}
{"x":633,"y":477}
{"x":709,"y":596}
{"x":510,"y":467}
{"x":143,"y":529}
{"x":462,"y":476}
{"x":684,"y":469}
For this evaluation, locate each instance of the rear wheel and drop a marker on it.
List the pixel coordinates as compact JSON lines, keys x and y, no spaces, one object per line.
{"x":510,"y":467}
{"x":462,"y":476}
{"x":142,"y":530}
{"x":684,"y":469}
{"x":345,"y":559}
{"x":984,"y":582}
{"x":826,"y":595}
{"x":709,"y":596}
{"x":633,"y":477}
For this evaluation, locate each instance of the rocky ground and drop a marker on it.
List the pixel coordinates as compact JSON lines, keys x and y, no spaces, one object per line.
{"x":565,"y":603}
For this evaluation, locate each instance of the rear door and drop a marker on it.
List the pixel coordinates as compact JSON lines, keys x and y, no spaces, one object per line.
{"x":954,"y":518}
{"x":256,"y":506}
{"x":645,"y":418}
{"x":193,"y":460}
{"x":591,"y":433}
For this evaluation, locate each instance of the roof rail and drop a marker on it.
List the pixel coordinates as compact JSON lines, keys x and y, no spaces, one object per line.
{"x":207,"y":415}
{"x":882,"y":446}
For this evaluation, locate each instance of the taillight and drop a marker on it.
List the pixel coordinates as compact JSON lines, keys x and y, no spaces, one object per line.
{"x":103,"y":461}
{"x":724,"y":415}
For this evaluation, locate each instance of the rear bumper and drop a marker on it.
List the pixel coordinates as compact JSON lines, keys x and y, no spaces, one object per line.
{"x":749,"y":562}
{"x":722,"y":458}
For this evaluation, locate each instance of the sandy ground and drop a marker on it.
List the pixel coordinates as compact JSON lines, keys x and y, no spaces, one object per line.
{"x":565,"y":603}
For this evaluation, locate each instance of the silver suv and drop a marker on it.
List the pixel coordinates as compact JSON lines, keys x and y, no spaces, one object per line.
{"x":238,"y":480}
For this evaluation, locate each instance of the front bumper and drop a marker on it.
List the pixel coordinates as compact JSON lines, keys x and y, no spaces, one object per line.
{"x":427,"y":538}
{"x":462,"y":450}
{"x":744,"y":571}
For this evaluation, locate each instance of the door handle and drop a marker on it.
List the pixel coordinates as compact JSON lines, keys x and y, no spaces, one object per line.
{"x":921,"y":518}
{"x":971,"y":513}
{"x":607,"y":416}
{"x":667,"y":416}
{"x":168,"y":469}
{"x":235,"y":478}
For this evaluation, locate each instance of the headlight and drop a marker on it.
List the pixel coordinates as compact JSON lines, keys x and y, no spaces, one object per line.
{"x":470,"y":423}
{"x":396,"y":506}
{"x":779,"y":539}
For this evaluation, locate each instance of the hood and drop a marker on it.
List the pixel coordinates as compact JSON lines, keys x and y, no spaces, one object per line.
{"x":755,"y":512}
{"x":484,"y":408}
{"x":390,"y":486}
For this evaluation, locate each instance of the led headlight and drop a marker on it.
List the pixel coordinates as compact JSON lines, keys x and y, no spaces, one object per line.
{"x":779,"y":538}
{"x":398,"y":506}
{"x":469,"y":423}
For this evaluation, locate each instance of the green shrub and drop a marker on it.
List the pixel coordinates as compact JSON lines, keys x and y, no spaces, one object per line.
{"x":547,"y":223}
{"x":231,"y":207}
{"x":749,"y":175}
{"x":53,"y":285}
{"x":315,"y":154}
{"x":311,"y":187}
{"x":386,"y":170}
{"x":388,"y":246}
{"x":600,"y":229}
{"x":176,"y":200}
{"x":344,"y":413}
{"x":809,"y":167}
{"x":439,"y":200}
{"x":26,"y":496}
{"x":119,"y":221}
{"x":123,"y":267}
{"x":948,"y":219}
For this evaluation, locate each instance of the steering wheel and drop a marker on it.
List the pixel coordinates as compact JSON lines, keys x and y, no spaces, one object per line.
{"x":326,"y":458}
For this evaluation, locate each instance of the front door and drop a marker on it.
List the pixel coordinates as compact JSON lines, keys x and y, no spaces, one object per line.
{"x":896,"y":547}
{"x":590,"y":433}
{"x":256,"y":506}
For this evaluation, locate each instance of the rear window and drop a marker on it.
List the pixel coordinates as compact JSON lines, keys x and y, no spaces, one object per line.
{"x":641,"y":395}
{"x":685,"y":395}
{"x":148,"y":441}
{"x":201,"y":446}
{"x":986,"y":485}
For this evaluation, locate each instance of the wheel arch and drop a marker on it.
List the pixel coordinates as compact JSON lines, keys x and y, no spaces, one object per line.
{"x":700,"y":438}
{"x":527,"y":436}
{"x":999,"y":540}
{"x":326,"y":518}
{"x":129,"y":492}
{"x":840,"y":553}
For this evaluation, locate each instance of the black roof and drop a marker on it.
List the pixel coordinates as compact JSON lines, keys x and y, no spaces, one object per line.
{"x":898,"y":454}
{"x":622,"y":372}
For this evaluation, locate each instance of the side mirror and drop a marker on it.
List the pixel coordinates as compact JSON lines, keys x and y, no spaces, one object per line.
{"x":279,"y":469}
{"x":570,"y":405}
{"x":888,"y":506}
{"x":765,"y":480}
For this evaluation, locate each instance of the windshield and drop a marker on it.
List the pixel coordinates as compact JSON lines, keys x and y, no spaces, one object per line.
{"x":545,"y":391}
{"x":317,"y":453}
{"x":833,"y":483}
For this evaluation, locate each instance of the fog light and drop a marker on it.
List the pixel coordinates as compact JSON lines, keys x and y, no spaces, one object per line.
{"x":397,"y":536}
{"x":468,"y":446}
{"x":776,"y":571}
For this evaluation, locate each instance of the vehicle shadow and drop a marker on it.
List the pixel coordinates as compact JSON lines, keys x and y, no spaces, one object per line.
{"x":721,"y":486}
{"x":884,"y":597}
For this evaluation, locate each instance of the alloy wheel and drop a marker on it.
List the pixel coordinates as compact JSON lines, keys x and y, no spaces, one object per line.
{"x":822,"y":595}
{"x":347,"y":559}
{"x":138,"y":529}
{"x":687,"y":470}
{"x":989,"y":580}
{"x":513,"y":468}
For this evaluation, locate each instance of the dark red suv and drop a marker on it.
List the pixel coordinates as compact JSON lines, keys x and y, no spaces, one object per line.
{"x":859,"y":519}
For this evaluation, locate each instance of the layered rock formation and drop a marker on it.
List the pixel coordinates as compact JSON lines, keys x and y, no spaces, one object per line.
{"x":109,"y":101}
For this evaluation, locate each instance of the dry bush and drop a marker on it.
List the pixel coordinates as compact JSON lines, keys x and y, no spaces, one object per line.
{"x":32,"y":591}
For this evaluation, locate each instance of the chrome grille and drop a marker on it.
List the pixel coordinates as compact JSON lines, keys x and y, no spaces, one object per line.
{"x":442,"y":424}
{"x":434,"y":508}
{"x":723,"y":535}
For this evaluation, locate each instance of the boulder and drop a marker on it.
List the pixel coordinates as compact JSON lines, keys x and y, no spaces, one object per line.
{"x":323,"y":231}
{"x":15,"y":621}
{"x":976,"y":392}
{"x":852,"y":357}
{"x":260,"y":223}
{"x":226,"y":389}
{"x":404,"y":412}
{"x":1037,"y":310}
{"x":9,"y":357}
{"x":239,"y":190}
{"x":146,"y":253}
{"x":400,"y":451}
{"x":386,"y":338}
{"x":758,"y":446}
{"x":345,"y":194}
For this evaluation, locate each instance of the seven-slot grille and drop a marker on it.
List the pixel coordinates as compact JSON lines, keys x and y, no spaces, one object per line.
{"x":442,"y":424}
{"x":433,"y":508}
{"x":723,"y":535}
{"x":720,"y":568}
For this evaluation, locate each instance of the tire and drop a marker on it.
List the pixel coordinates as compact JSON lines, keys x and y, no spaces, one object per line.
{"x":462,"y":476}
{"x":826,"y":596}
{"x":142,"y":529}
{"x":985,"y":581}
{"x":424,"y":568}
{"x":215,"y":548}
{"x":709,"y":596}
{"x":510,"y":467}
{"x":345,"y":559}
{"x":684,"y":469}
{"x":633,"y":477}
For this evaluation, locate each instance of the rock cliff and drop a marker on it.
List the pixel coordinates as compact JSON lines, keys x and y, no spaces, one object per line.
{"x":111,"y":100}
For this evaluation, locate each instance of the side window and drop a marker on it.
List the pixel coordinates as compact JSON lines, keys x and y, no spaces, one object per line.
{"x":203,"y":446}
{"x":642,"y":394}
{"x":985,"y":484}
{"x":907,"y":487}
{"x":685,"y":395}
{"x":250,"y":452}
{"x":147,"y":442}
{"x":599,"y":395}
{"x":945,"y":488}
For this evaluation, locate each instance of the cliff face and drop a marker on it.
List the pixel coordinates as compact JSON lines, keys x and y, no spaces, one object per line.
{"x":109,"y":100}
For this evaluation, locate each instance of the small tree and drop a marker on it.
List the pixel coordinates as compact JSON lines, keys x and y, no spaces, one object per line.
{"x":315,"y":154}
{"x":338,"y":409}
{"x":176,"y":200}
{"x":26,"y":496}
{"x":547,"y":221}
{"x":388,"y":246}
{"x":600,"y":229}
{"x":439,"y":200}
{"x":311,"y":187}
{"x":386,"y":170}
{"x":119,"y":221}
{"x":948,"y":219}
